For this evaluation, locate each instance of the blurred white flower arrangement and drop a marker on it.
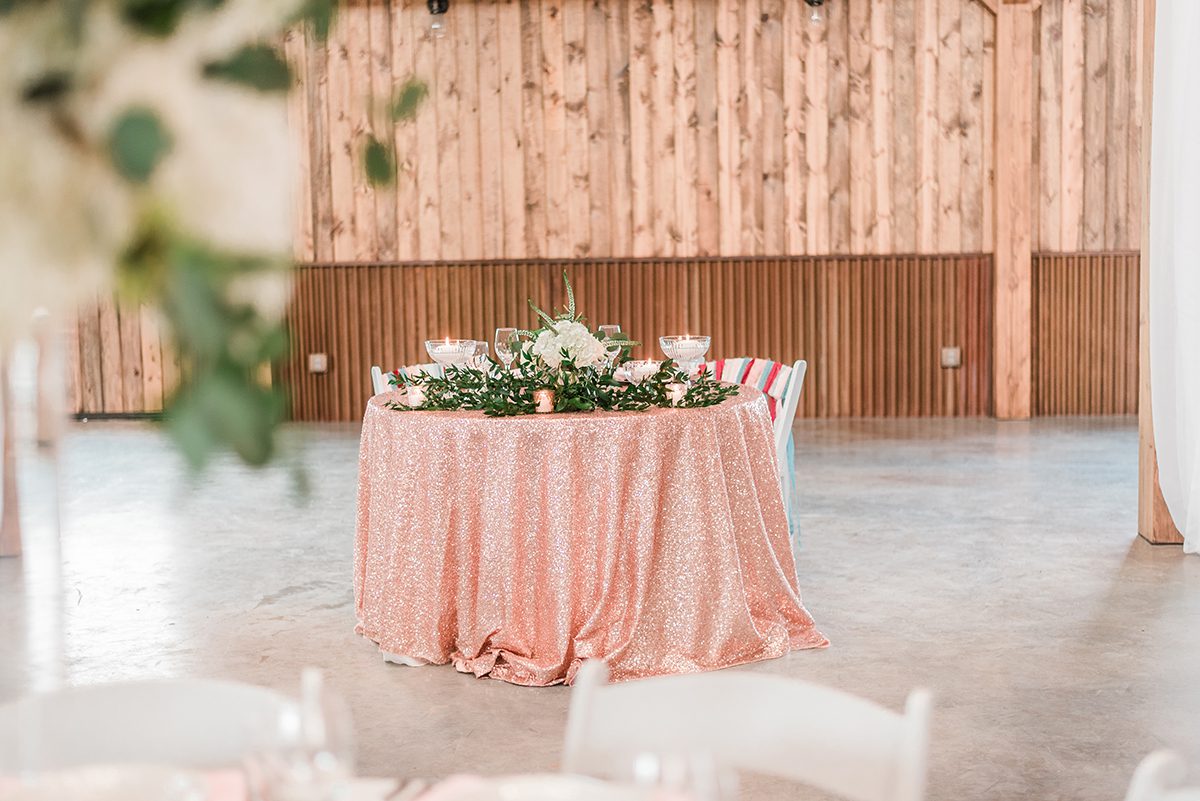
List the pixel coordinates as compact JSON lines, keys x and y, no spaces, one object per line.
{"x":107,"y":120}
{"x":145,"y":148}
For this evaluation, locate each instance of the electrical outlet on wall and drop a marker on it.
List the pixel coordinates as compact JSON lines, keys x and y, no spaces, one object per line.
{"x":952,"y":357}
{"x":318,"y":363}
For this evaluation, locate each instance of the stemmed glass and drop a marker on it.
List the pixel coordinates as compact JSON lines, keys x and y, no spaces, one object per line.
{"x":507,"y":345}
{"x":612,"y":349}
{"x":480,"y":359}
{"x":307,"y":752}
{"x":682,"y":776}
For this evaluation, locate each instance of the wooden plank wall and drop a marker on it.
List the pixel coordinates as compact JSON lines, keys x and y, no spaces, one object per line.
{"x":871,"y":328}
{"x":599,"y":129}
{"x":119,"y":361}
{"x":624,"y":128}
{"x":1089,"y":131}
{"x":1085,"y":318}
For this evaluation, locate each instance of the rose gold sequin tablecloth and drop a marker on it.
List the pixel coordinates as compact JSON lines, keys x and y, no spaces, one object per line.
{"x":517,"y":547}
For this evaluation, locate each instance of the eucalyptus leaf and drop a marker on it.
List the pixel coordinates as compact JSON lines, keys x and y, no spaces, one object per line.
{"x":47,"y":87}
{"x":320,"y":14}
{"x":409,"y":99}
{"x":257,"y":66}
{"x":379,"y":163}
{"x":192,"y":435}
{"x":153,"y":17}
{"x":137,"y":143}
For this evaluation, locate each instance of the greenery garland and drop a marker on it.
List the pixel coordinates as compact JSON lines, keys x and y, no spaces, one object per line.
{"x":566,"y":357}
{"x":502,"y":393}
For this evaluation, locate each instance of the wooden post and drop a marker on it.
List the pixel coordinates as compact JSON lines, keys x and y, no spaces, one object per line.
{"x":1013,"y":127}
{"x":1154,"y":519}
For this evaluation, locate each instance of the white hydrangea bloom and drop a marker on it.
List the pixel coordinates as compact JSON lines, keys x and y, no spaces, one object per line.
{"x":579,"y":343}
{"x":64,"y":212}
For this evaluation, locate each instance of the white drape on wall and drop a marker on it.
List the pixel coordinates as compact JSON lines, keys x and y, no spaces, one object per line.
{"x":1174,"y":251}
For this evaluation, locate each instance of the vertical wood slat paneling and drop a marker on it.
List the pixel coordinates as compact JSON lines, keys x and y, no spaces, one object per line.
{"x":870,"y":327}
{"x":1085,"y":336}
{"x":624,"y":128}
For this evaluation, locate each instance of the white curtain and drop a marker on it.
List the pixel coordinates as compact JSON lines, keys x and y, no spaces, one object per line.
{"x":1175,"y":261}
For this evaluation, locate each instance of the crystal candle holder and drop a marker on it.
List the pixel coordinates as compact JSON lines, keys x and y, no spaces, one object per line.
{"x":449,"y":352}
{"x":686,"y":351}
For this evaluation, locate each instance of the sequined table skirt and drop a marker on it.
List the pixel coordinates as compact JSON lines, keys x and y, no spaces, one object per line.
{"x":518,"y":547}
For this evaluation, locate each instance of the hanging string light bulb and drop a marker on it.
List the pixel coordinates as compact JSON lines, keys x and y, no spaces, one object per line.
{"x":437,"y":17}
{"x":816,"y":14}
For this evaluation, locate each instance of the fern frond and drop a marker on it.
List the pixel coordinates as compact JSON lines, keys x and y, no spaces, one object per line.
{"x":547,"y":319}
{"x":570,"y":296}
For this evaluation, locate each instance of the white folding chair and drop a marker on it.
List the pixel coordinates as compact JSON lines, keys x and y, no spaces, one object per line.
{"x":821,"y":737}
{"x":778,"y":381}
{"x":192,"y":723}
{"x":381,"y":383}
{"x":783,"y":384}
{"x":1158,"y":778}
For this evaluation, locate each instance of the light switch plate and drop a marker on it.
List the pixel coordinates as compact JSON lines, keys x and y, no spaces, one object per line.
{"x":952,"y":357}
{"x":318,"y":363}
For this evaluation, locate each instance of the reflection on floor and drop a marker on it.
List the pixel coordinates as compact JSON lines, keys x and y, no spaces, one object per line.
{"x":995,"y":563}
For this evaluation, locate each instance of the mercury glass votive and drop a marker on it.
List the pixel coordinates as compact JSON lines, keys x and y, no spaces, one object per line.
{"x":543,"y":401}
{"x":414,"y":396}
{"x":675,"y":393}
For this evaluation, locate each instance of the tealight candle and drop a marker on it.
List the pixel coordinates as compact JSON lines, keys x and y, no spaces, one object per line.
{"x":675,"y":393}
{"x":544,"y":400}
{"x":415,"y":396}
{"x":444,"y":349}
{"x":689,"y":348}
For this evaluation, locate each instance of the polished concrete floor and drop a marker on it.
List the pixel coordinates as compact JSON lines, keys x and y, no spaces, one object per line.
{"x":993,"y":563}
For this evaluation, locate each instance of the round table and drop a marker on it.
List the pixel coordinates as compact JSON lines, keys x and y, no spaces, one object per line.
{"x":517,"y":547}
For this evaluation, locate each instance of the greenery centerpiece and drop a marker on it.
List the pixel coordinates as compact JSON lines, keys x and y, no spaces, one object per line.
{"x":570,"y":360}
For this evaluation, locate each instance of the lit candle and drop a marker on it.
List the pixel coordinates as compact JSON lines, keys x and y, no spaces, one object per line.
{"x":689,"y":348}
{"x":675,"y":393}
{"x":544,"y":400}
{"x":415,"y":396}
